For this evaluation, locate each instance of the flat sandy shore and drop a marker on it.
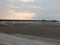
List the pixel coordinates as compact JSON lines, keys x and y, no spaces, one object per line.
{"x":7,"y":39}
{"x":45,"y":30}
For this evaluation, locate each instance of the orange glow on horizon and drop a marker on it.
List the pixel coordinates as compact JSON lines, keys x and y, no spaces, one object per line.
{"x":20,"y":15}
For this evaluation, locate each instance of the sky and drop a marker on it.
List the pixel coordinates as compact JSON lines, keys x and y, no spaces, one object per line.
{"x":30,"y":9}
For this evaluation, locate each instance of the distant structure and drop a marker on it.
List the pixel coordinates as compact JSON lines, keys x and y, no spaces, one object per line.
{"x":20,"y":21}
{"x":27,"y":21}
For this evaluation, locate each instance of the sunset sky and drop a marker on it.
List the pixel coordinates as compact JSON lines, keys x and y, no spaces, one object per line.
{"x":30,"y":9}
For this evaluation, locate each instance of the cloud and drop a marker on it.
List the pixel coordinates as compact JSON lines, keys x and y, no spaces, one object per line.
{"x":29,"y":9}
{"x":12,"y":1}
{"x":57,"y":15}
{"x":57,"y":6}
{"x":38,"y":7}
{"x":20,"y":15}
{"x":54,"y":16}
{"x":27,"y":0}
{"x":4,"y":7}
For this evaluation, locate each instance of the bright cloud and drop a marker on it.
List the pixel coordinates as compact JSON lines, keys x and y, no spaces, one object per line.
{"x":37,"y":7}
{"x":20,"y":15}
{"x":27,"y":0}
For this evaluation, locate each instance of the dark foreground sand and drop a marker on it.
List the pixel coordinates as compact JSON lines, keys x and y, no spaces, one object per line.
{"x":45,"y":30}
